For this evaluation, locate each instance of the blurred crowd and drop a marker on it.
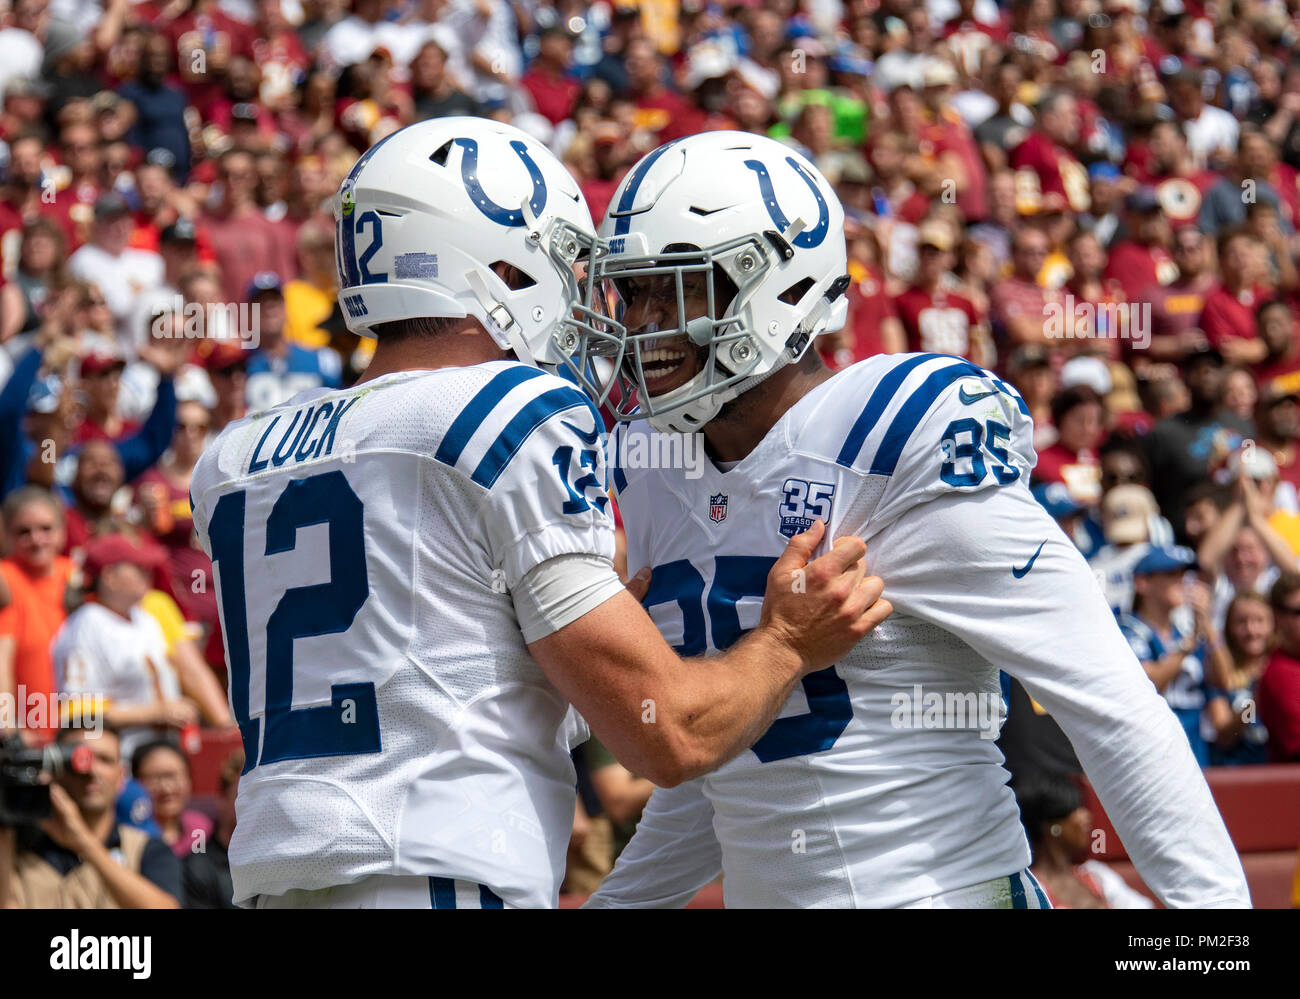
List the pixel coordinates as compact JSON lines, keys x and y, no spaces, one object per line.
{"x":1098,"y":199}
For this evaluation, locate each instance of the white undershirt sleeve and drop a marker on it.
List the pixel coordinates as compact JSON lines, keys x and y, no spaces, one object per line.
{"x":560,"y":590}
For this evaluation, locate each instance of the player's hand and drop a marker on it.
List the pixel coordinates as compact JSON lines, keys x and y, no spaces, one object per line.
{"x":822,"y":609}
{"x":639,"y":585}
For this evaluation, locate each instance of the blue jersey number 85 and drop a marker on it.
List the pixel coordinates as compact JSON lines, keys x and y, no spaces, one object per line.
{"x":736,"y":576}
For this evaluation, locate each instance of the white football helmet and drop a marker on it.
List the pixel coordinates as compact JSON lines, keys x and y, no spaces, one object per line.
{"x":427,"y":211}
{"x":726,"y":212}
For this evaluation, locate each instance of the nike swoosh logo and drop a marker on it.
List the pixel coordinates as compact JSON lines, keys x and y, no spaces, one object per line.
{"x":1024,"y":571}
{"x":967,"y":398}
{"x":588,"y":438}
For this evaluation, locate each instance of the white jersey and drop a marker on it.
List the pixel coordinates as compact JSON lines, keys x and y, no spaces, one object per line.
{"x":880,"y":784}
{"x":365,"y":542}
{"x":99,"y":653}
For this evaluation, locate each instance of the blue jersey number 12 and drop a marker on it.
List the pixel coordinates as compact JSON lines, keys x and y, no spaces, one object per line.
{"x":349,"y":724}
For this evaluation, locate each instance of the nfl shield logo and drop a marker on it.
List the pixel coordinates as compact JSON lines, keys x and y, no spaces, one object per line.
{"x":718,"y":508}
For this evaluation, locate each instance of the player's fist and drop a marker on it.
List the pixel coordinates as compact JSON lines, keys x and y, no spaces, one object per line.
{"x":822,"y":608}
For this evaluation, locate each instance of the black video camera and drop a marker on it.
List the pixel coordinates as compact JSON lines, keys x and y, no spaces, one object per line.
{"x":24,"y":791}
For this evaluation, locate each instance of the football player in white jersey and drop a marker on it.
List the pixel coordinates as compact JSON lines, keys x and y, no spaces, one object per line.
{"x":880,"y":783}
{"x":415,"y":576}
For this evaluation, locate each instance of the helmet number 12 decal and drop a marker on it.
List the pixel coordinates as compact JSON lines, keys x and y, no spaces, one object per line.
{"x":371,"y":220}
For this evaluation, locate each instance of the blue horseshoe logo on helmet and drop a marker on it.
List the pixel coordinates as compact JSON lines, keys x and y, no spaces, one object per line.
{"x":504,"y":216}
{"x":809,"y":237}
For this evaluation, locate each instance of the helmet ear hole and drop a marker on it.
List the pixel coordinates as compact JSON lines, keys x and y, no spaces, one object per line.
{"x":515,"y":279}
{"x":440,"y":154}
{"x":796,"y":291}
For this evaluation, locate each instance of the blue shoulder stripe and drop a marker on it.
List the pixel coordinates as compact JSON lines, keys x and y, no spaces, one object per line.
{"x":880,"y":399}
{"x":912,"y":412}
{"x":463,"y":427}
{"x":527,"y":420}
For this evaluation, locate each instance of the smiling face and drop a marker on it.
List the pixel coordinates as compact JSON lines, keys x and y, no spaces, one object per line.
{"x":35,"y":535}
{"x":1249,"y":627}
{"x":651,"y":304}
{"x":165,"y":776}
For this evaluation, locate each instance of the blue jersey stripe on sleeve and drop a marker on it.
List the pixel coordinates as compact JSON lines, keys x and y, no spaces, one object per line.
{"x":527,"y":420}
{"x":615,"y":455}
{"x":488,"y":899}
{"x":912,"y":412}
{"x":875,"y":406}
{"x":463,"y":427}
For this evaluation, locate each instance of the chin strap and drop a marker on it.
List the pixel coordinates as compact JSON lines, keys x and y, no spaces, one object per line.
{"x":497,"y":313}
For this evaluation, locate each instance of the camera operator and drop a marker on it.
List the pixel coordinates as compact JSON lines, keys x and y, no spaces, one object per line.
{"x":79,"y":857}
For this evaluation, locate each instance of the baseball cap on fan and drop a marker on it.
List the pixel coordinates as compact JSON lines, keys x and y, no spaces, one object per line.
{"x":111,"y":205}
{"x":114,"y":549}
{"x":1161,"y":559}
{"x":103,"y":356}
{"x":1126,"y":512}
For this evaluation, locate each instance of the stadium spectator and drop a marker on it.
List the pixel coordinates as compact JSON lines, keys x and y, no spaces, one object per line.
{"x":39,"y":271}
{"x":1175,"y":657}
{"x":1140,"y":260}
{"x":1249,"y":181}
{"x":1060,"y":836}
{"x":1243,"y":551}
{"x":80,"y":857}
{"x":159,"y":105}
{"x":622,"y":794}
{"x":279,"y":369}
{"x":1176,"y":307}
{"x":1018,"y":303}
{"x":1078,"y":416}
{"x":114,"y":650}
{"x":310,"y":298}
{"x":1279,"y":687}
{"x":1228,"y":317}
{"x":206,"y":873}
{"x":37,"y":580}
{"x":549,"y":81}
{"x":1181,"y":447}
{"x":935,"y":318}
{"x":1248,"y":633}
{"x":119,"y":272}
{"x":227,"y":367}
{"x":164,"y":771}
{"x":1127,"y":515}
{"x":436,"y":94}
{"x":244,"y":240}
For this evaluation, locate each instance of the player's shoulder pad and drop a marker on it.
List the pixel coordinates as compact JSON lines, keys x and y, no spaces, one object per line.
{"x":888,"y":396}
{"x":503,"y":418}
